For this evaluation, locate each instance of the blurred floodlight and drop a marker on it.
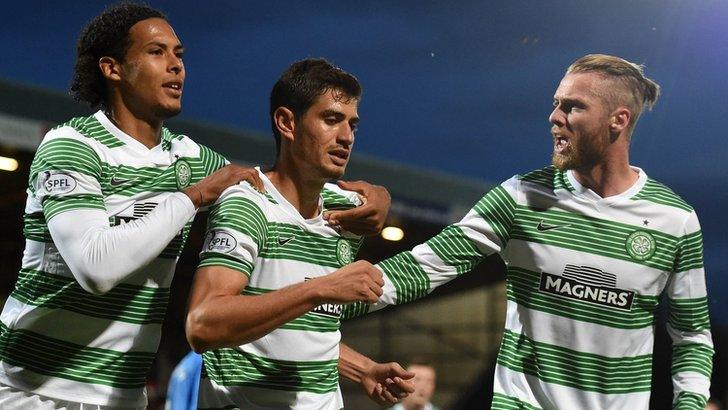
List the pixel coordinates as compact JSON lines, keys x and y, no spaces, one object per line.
{"x":8,"y":164}
{"x":392,"y":233}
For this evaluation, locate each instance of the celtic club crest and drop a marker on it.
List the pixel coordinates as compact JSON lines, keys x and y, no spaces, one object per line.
{"x":344,"y":253}
{"x":182,"y":173}
{"x":641,"y":245}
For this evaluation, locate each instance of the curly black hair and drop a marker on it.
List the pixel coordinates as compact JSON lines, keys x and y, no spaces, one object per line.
{"x":105,"y":35}
{"x":305,"y":80}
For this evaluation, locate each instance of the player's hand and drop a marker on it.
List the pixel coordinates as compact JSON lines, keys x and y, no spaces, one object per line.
{"x":358,"y":281}
{"x":387,"y":383}
{"x":209,"y":189}
{"x":367,"y":219}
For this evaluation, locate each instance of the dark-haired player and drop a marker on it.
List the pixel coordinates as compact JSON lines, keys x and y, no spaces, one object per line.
{"x":110,"y":201}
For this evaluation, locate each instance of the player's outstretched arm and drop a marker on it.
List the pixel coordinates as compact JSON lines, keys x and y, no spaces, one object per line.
{"x":101,"y":256}
{"x":219,"y":316}
{"x":385,"y":383}
{"x":367,"y":219}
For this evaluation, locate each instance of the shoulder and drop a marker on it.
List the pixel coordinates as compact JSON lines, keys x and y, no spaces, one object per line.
{"x":88,"y":129}
{"x":658,"y":193}
{"x":548,"y":177}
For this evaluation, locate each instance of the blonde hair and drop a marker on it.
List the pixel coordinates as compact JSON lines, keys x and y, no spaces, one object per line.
{"x":632,"y":89}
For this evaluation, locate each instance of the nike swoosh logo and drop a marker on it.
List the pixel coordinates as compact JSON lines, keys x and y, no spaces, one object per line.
{"x":283,"y":241}
{"x":117,"y":182}
{"x":541,"y":227}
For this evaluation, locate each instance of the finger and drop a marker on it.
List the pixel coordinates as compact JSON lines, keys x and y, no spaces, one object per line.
{"x":395,"y":389}
{"x":254,"y":180}
{"x":389,"y":397}
{"x":378,"y":278}
{"x":403,"y":386}
{"x":356,"y":186}
{"x":372,"y":296}
{"x":357,"y":213}
{"x":376,"y":288}
{"x":397,"y":370}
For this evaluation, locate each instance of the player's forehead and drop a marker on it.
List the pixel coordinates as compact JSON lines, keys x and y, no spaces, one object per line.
{"x":335,"y":100}
{"x":153,"y":31}
{"x":579,"y":86}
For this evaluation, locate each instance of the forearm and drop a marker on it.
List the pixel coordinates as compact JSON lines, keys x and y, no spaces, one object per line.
{"x":352,"y":364}
{"x":233,"y":320}
{"x":100,"y":256}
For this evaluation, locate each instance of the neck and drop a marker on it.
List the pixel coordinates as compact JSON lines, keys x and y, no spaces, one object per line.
{"x":302,"y":193}
{"x":413,"y":406}
{"x":607,"y":179}
{"x":147,"y":131}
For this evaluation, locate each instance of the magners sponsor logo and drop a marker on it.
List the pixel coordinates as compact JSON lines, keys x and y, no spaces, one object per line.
{"x":328,"y":309}
{"x":574,"y":289}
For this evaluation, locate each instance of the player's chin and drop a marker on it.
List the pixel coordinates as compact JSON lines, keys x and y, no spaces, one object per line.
{"x":170,"y":109}
{"x":561,"y":161}
{"x":335,"y":171}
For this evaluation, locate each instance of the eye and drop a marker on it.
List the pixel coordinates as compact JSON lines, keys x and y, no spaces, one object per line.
{"x":156,"y":51}
{"x":354,"y":126}
{"x":180,"y":55}
{"x":331,"y":120}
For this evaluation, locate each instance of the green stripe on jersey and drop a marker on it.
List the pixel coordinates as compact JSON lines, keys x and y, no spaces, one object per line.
{"x":355,"y":309}
{"x":504,"y":402}
{"x":65,"y":154}
{"x":590,"y":235}
{"x":409,"y":279}
{"x":311,"y":322}
{"x":548,"y":177}
{"x":497,"y":209}
{"x":230,"y":367}
{"x":91,"y":127}
{"x":583,"y":371}
{"x":126,"y":303}
{"x":658,"y":193}
{"x":211,"y":160}
{"x":690,"y":252}
{"x":690,"y":401}
{"x":689,"y":315}
{"x":56,"y":358}
{"x":522,"y":287}
{"x":304,"y":246}
{"x":221,"y":259}
{"x":456,"y":249}
{"x":242,"y":215}
{"x":36,"y":228}
{"x":692,"y":357}
{"x":174,"y":249}
{"x":54,"y":205}
{"x":334,"y":200}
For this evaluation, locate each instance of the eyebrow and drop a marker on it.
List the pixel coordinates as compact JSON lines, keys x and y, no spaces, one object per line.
{"x":176,"y":47}
{"x":337,"y":114}
{"x":569,"y":100}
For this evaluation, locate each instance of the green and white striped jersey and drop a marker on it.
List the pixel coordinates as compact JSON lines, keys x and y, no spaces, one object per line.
{"x":264,"y":237}
{"x":584,"y":279}
{"x":56,"y":339}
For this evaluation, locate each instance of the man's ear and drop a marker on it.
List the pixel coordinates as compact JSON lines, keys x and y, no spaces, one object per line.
{"x":619,"y":119}
{"x":110,"y":68}
{"x":285,"y":122}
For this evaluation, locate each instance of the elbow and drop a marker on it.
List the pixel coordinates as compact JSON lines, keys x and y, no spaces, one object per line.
{"x":198,"y":333}
{"x":92,"y":285}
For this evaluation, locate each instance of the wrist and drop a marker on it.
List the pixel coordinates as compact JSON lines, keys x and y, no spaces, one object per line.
{"x":195,"y":195}
{"x":317,"y":291}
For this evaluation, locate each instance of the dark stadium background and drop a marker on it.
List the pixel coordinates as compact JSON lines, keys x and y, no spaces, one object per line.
{"x":462,"y":88}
